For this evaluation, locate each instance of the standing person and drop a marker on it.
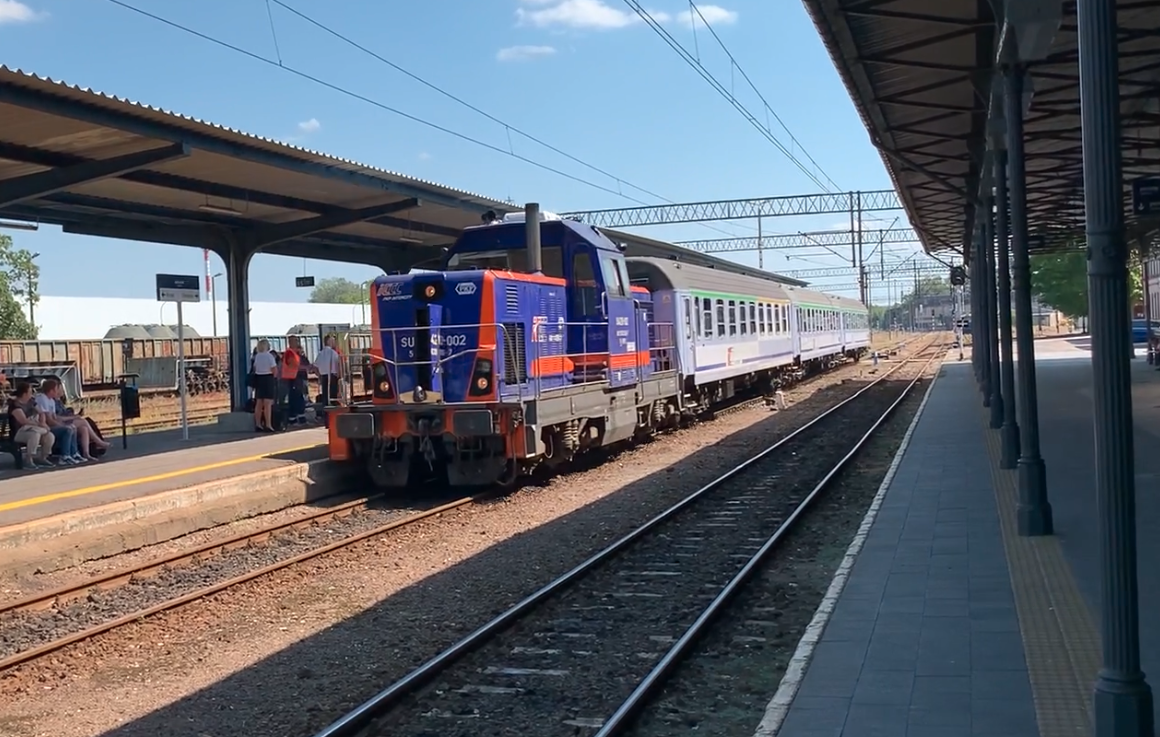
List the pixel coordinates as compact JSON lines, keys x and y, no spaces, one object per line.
{"x":265,"y":382}
{"x":329,"y":364}
{"x":293,"y":366}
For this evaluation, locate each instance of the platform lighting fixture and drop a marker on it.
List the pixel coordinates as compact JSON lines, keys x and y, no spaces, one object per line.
{"x":17,"y":225}
{"x":219,"y":209}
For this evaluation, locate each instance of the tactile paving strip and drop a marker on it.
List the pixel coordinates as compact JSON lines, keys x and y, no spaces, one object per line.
{"x":1060,"y":640}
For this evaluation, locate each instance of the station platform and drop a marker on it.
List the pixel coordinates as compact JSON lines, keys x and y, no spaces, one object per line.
{"x":158,"y":488}
{"x":944,"y":622}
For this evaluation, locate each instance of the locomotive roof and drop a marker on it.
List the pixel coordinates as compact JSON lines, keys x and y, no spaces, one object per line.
{"x":511,"y":233}
{"x":690,"y":276}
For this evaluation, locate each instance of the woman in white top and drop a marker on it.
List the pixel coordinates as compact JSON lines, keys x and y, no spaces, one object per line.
{"x":329,"y":365}
{"x":263,"y":366}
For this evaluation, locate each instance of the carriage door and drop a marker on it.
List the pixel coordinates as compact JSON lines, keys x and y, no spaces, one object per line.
{"x":692,"y":326}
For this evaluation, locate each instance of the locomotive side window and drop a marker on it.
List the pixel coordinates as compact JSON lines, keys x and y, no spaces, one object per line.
{"x":612,"y":283}
{"x":720,"y":318}
{"x":585,"y":291}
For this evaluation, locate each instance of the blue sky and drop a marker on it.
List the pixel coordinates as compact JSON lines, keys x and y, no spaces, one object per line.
{"x":583,"y":75}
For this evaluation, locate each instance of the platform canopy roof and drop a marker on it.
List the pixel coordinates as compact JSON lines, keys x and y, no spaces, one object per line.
{"x":924,"y":79}
{"x":101,"y":165}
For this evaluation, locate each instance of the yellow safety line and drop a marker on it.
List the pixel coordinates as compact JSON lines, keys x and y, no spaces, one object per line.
{"x":147,"y":479}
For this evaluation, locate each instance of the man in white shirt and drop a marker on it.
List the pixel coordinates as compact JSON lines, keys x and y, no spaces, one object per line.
{"x":329,"y":365}
{"x":65,"y":433}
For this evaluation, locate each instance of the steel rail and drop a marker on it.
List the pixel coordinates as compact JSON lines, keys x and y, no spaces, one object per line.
{"x":621,"y":719}
{"x":26,"y":655}
{"x":350,"y":723}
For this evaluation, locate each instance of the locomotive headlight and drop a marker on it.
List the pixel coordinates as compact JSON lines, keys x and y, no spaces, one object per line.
{"x":429,"y":292}
{"x":384,"y":386}
{"x":482,"y":382}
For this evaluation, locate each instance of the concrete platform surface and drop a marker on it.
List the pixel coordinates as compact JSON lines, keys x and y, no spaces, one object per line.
{"x":152,"y":465}
{"x":948,"y":623}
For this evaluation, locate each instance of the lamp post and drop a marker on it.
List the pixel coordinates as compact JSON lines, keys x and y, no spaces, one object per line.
{"x":213,"y":300}
{"x":31,"y":292}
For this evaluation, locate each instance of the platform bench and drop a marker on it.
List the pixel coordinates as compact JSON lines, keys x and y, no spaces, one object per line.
{"x":9,"y":445}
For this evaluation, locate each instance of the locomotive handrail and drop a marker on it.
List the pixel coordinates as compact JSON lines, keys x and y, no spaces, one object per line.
{"x":541,"y":332}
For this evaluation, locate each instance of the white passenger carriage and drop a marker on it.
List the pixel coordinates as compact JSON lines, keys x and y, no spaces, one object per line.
{"x":827,"y":327}
{"x":736,"y":331}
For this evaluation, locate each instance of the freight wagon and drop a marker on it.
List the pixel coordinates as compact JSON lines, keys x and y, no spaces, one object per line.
{"x":87,"y":366}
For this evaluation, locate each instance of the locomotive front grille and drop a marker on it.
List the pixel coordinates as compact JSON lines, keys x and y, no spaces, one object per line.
{"x":515,"y":353}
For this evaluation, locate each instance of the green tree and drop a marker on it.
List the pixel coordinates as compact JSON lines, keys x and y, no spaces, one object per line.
{"x":19,"y":283}
{"x":1060,"y":280}
{"x":337,"y":290}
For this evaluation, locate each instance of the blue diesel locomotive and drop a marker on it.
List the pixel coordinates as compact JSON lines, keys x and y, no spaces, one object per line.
{"x":534,"y":344}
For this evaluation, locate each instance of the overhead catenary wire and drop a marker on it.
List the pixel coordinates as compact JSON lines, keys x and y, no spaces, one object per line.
{"x":695,"y":63}
{"x":508,"y":127}
{"x":279,"y":64}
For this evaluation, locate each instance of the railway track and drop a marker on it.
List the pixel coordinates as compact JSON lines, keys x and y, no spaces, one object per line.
{"x":44,"y":623}
{"x":584,"y":653}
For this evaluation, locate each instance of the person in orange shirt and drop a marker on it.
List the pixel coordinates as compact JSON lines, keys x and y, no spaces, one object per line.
{"x":290,"y":371}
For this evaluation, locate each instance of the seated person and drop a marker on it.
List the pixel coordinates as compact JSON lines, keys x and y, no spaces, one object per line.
{"x":72,"y":440}
{"x":26,"y":425}
{"x":97,"y":443}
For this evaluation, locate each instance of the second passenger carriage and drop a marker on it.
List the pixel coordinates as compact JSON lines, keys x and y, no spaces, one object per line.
{"x":537,"y":343}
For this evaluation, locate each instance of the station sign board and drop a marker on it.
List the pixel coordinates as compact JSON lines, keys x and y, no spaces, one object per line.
{"x":304,"y":281}
{"x":1145,"y":195}
{"x":178,"y":288}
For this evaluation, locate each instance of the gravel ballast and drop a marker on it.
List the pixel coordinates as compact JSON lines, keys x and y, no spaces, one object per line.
{"x":723,"y":685}
{"x":568,"y":664}
{"x":286,"y":654}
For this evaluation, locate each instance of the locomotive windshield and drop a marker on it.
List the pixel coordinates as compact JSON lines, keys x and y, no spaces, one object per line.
{"x":514,"y":259}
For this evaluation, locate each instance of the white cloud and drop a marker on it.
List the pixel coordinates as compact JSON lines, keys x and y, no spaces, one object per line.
{"x":581,"y":14}
{"x":714,"y":15}
{"x":524,"y":53}
{"x":605,"y":15}
{"x":310,"y":126}
{"x":12,"y":11}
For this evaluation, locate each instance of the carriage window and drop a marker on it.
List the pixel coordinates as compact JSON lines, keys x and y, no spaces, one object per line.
{"x":694,"y":320}
{"x":752,"y":318}
{"x":761,"y":318}
{"x":732,"y":317}
{"x":707,"y":308}
{"x":720,"y":318}
{"x":741,"y":306}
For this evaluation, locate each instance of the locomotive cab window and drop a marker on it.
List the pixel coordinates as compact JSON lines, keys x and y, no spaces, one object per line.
{"x":585,"y":290}
{"x":613,"y":285}
{"x":513,"y":259}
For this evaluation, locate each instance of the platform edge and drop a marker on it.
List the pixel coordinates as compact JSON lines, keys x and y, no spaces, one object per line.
{"x":779,"y":706}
